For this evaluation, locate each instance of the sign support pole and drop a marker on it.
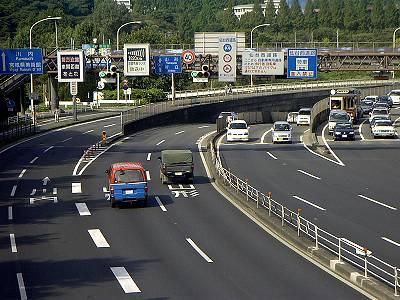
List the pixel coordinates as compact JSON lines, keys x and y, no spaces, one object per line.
{"x":118,"y":88}
{"x":173,"y":89}
{"x":74,"y":108}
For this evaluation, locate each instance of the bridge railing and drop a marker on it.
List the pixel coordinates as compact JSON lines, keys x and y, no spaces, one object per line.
{"x":344,"y":249}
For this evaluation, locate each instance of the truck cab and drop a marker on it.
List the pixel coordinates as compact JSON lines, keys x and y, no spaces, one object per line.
{"x":176,"y":165}
{"x":127,"y":183}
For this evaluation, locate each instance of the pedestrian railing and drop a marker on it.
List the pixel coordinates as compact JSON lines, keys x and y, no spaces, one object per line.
{"x":345,"y":250}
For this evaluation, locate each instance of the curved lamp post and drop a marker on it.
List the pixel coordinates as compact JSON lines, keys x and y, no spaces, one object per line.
{"x":394,"y":37}
{"x":132,"y":22}
{"x":251,"y":44}
{"x":30,"y":46}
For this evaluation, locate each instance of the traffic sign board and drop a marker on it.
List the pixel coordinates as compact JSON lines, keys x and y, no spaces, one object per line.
{"x":227,"y":58}
{"x":188,"y":57}
{"x":73,"y":88}
{"x":136,"y":59}
{"x":302,"y":63}
{"x":70,"y":66}
{"x":170,"y":64}
{"x":21,"y":61}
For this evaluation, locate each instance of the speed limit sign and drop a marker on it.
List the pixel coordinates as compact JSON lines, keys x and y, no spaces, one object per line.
{"x":188,"y":57}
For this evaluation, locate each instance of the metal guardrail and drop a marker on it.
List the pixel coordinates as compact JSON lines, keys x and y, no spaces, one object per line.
{"x":346,"y":250}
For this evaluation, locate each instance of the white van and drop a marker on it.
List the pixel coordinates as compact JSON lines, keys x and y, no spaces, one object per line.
{"x":304,"y":116}
{"x":395,"y":95}
{"x":281,"y":132}
{"x":237,"y":131}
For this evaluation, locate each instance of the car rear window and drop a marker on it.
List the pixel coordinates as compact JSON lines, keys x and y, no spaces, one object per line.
{"x":395,"y":93}
{"x":238,"y":126}
{"x":335,"y":117}
{"x":305,"y":112}
{"x":282,"y":127}
{"x":380,"y":112}
{"x":343,"y":125}
{"x":128,"y":176}
{"x":383,"y":123}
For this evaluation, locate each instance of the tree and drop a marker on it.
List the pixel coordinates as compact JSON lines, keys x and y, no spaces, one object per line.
{"x":228,"y":19}
{"x":377,"y":14}
{"x":270,"y":14}
{"x":296,"y":15}
{"x":391,"y":14}
{"x":310,"y":16}
{"x":283,"y":21}
{"x":361,"y":15}
{"x":350,"y":20}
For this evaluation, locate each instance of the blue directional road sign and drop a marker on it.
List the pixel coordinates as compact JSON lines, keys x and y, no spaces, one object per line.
{"x":169,"y":64}
{"x":302,"y":63}
{"x":21,"y":61}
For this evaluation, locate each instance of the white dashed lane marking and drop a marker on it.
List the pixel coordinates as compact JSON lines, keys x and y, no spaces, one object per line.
{"x":21,"y":286}
{"x":160,"y":142}
{"x":82,"y":209}
{"x":199,"y":251}
{"x":111,"y":125}
{"x":271,"y":155}
{"x":13,"y":191}
{"x":76,"y":188}
{"x":33,"y":160}
{"x":33,"y":192}
{"x":125,"y":280}
{"x":89,"y":131}
{"x":13,"y":244}
{"x":391,"y":241}
{"x":149,"y":156}
{"x":377,"y":202}
{"x":308,"y":174}
{"x":10,"y":213}
{"x":309,"y":203}
{"x":160,"y":203}
{"x":98,"y":238}
{"x":148,"y":175}
{"x":179,"y":132}
{"x":22,"y":173}
{"x":48,"y":149}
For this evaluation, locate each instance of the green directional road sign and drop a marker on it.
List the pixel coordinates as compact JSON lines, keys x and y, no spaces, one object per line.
{"x":102,"y":74}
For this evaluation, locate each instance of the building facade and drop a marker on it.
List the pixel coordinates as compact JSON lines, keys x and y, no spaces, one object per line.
{"x":240,"y":10}
{"x":127,"y":3}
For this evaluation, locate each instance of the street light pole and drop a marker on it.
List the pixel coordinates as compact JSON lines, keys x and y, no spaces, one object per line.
{"x":30,"y":46}
{"x":132,"y":22}
{"x":251,"y":45}
{"x":394,"y":37}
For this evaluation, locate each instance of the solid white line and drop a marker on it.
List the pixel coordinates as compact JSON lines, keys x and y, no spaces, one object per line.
{"x":13,"y":191}
{"x":160,"y":203}
{"x":312,"y":204}
{"x":270,"y":154}
{"x":51,"y":147}
{"x":125,"y":280}
{"x":66,"y":140}
{"x":89,"y":131}
{"x":149,"y":156}
{"x":98,"y":238}
{"x":76,"y":188}
{"x":377,"y":202}
{"x":201,"y":127}
{"x":33,"y":192}
{"x":33,"y":160}
{"x":308,"y":174}
{"x":317,"y":154}
{"x":54,"y":191}
{"x":148,"y":175}
{"x":179,"y":132}
{"x":22,"y":173}
{"x":219,"y":142}
{"x":195,"y":247}
{"x":329,"y":148}
{"x":114,"y":135}
{"x":13,"y":244}
{"x":21,"y":286}
{"x":360,"y":129}
{"x":390,"y":241}
{"x":82,"y":209}
{"x":110,"y":125}
{"x":264,"y":135}
{"x":10,"y":213}
{"x":159,"y":143}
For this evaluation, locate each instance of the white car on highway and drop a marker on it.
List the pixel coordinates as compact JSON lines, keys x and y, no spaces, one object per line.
{"x":281,"y":132}
{"x":383,"y":128}
{"x":371,"y":98}
{"x":395,"y":95}
{"x":379,"y":112}
{"x":237,"y":130}
{"x":304,"y":116}
{"x":337,"y":116}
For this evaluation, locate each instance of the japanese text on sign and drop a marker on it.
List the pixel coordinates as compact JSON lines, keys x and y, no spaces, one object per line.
{"x":70,"y":66}
{"x":263,"y":63}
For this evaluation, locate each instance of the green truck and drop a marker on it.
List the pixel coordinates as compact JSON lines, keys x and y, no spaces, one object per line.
{"x":176,"y":165}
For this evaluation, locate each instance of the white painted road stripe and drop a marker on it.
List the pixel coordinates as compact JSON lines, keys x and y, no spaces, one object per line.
{"x":76,"y":188}
{"x":159,"y":143}
{"x":22,"y":173}
{"x":10,"y":213}
{"x":33,"y":192}
{"x":360,"y":129}
{"x":160,"y":203}
{"x":111,"y":125}
{"x":270,"y":154}
{"x":13,"y":244}
{"x":89,"y":131}
{"x":82,"y":209}
{"x":66,"y":140}
{"x":51,"y":147}
{"x":21,"y":286}
{"x":125,"y":280}
{"x":308,"y":174}
{"x":179,"y":132}
{"x":390,"y":241}
{"x":377,"y":202}
{"x":148,"y":175}
{"x":54,"y":191}
{"x":312,"y":204}
{"x":105,"y":189}
{"x":44,"y":191}
{"x":195,"y":247}
{"x":13,"y":191}
{"x":206,"y":126}
{"x":148,"y":156}
{"x":339,"y":162}
{"x":98,"y":238}
{"x":264,"y":135}
{"x":33,"y":160}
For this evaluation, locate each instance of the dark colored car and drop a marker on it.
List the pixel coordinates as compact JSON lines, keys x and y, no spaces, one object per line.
{"x":366,"y":106}
{"x":385,"y":99}
{"x":343,"y":131}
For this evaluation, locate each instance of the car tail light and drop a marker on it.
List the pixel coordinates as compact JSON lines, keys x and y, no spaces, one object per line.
{"x":146,"y":188}
{"x":111,"y":189}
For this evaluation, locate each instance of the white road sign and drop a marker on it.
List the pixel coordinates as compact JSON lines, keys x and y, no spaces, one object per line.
{"x":73,"y":88}
{"x":136,"y":59}
{"x":227,"y":59}
{"x":70,"y":64}
{"x":188,"y":57}
{"x":263,"y":63}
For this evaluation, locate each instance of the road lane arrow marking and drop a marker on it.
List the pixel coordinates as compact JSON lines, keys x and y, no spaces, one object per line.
{"x":45,"y":180}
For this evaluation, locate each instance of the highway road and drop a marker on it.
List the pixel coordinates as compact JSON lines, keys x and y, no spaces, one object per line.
{"x":60,"y":238}
{"x":352,"y":195}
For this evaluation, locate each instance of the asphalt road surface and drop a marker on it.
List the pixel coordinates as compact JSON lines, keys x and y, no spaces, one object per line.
{"x":60,"y":238}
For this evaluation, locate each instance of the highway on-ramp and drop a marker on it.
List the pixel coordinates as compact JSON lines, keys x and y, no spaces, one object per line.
{"x":60,"y":238}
